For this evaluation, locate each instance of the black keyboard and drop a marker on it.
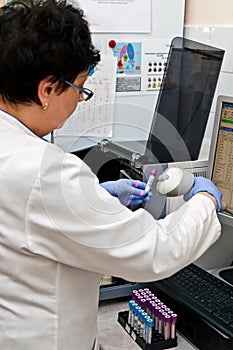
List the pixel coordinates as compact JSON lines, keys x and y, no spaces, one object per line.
{"x":204,"y":294}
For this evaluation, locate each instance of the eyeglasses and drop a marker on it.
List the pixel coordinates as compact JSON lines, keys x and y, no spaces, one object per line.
{"x":87,"y":93}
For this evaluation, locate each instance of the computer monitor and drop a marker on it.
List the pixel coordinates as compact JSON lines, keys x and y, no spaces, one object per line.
{"x":184,"y":101}
{"x":220,"y":171}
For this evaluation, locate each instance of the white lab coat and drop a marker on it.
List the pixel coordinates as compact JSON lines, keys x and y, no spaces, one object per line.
{"x":60,"y":231}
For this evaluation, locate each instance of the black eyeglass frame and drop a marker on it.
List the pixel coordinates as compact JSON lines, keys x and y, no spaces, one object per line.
{"x":86,"y":92}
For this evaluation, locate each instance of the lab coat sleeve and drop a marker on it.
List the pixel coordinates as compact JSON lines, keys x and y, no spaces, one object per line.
{"x":71,"y":219}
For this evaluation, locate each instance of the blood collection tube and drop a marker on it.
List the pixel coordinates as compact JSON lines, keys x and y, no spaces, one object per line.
{"x":153,"y":313}
{"x":143,"y":324}
{"x":156,"y":310}
{"x":161,"y":321}
{"x":150,"y":180}
{"x":140,"y":321}
{"x":135,"y":323}
{"x":133,"y":306}
{"x":148,"y":299}
{"x":152,"y":304}
{"x":167,"y":326}
{"x":173,"y":325}
{"x":149,"y":327}
{"x":130,"y":303}
{"x":146,"y":317}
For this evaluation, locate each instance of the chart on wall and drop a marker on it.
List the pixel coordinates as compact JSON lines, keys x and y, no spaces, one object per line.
{"x":95,"y":117}
{"x":140,"y":65}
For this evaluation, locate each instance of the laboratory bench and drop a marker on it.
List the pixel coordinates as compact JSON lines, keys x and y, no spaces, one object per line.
{"x":111,"y":334}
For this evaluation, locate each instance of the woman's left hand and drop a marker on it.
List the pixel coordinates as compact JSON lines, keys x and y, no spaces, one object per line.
{"x":130,"y":192}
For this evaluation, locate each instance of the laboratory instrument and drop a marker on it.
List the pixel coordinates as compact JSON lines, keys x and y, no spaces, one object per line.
{"x":177,"y":182}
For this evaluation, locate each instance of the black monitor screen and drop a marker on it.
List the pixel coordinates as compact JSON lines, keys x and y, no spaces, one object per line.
{"x":184,"y":101}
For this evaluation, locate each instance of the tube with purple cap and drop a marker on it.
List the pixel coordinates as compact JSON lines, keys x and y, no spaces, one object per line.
{"x":173,"y":325}
{"x":150,"y":180}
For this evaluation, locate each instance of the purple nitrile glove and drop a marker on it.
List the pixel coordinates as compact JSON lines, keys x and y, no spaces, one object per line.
{"x":129,"y":192}
{"x":201,"y":184}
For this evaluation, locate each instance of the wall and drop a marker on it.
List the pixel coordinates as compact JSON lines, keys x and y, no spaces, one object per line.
{"x":209,"y":13}
{"x":211,"y":22}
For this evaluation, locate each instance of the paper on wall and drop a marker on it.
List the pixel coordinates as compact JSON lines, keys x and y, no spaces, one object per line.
{"x":95,"y":117}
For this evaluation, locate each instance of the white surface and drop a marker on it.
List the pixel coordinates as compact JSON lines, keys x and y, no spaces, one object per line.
{"x":126,"y":16}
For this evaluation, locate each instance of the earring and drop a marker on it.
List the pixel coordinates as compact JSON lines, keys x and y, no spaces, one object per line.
{"x":45,"y":106}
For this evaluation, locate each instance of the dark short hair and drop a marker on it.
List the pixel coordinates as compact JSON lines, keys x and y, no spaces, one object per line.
{"x":41,"y":38}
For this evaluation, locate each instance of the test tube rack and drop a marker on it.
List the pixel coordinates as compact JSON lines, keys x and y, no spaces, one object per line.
{"x":158,"y":341}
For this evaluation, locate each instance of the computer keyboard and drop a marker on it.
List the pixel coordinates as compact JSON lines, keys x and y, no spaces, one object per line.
{"x":204,"y":294}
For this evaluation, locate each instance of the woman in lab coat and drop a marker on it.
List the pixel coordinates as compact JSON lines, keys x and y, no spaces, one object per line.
{"x":60,"y":230}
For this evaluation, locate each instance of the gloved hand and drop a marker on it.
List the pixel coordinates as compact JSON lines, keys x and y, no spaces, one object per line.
{"x":201,"y":184}
{"x":129,"y":192}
